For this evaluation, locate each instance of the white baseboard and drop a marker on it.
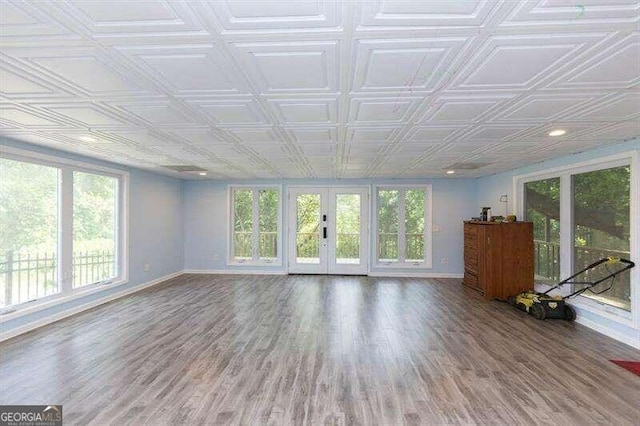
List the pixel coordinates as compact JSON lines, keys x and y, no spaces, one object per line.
{"x":392,"y":274}
{"x":629,"y":340}
{"x":233,"y":272}
{"x":77,"y":309}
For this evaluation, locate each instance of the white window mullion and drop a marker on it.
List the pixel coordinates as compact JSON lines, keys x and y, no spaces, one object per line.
{"x":255,"y":237}
{"x":566,"y":226}
{"x":402,"y":237}
{"x":66,"y":231}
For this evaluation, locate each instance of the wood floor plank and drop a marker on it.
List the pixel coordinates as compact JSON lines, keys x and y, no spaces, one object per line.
{"x":273,"y":350}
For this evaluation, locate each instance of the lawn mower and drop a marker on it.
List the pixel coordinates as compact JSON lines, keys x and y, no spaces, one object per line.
{"x":543,"y":305}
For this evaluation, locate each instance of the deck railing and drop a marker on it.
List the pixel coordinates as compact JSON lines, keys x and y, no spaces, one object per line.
{"x":26,"y":276}
{"x":547,"y":269}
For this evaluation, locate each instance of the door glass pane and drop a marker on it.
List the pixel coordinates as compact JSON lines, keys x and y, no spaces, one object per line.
{"x":28,"y":232}
{"x":268,"y":231}
{"x":94,"y":228}
{"x":308,"y":226}
{"x":601,"y":211}
{"x":542,"y":207}
{"x":348,"y":229}
{"x":242,"y":224}
{"x":387,"y":225}
{"x":414,"y":224}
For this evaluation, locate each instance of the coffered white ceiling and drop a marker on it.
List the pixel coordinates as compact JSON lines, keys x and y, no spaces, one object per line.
{"x":320,"y":88}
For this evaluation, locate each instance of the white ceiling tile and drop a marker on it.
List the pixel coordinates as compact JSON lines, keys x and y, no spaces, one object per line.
{"x":322,"y":88}
{"x":18,"y":117}
{"x":305,"y":111}
{"x":275,"y":15}
{"x":86,"y":72}
{"x":292,"y":66}
{"x":11,"y":83}
{"x":404,"y":65}
{"x":159,"y":113}
{"x":88,"y":115}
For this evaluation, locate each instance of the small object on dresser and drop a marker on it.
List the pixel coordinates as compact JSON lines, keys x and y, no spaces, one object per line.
{"x":497,"y":219}
{"x":486,"y":213}
{"x":511,"y":218}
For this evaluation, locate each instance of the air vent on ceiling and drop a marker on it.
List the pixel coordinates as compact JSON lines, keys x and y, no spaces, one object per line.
{"x":466,"y":166}
{"x":185,"y":169}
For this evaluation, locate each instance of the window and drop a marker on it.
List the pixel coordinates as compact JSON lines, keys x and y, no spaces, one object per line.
{"x":601,"y":228}
{"x":591,"y":203}
{"x":403,"y":231}
{"x":95,"y":199}
{"x":29,"y":201}
{"x":60,"y":227}
{"x":255,"y":219}
{"x":542,"y":207}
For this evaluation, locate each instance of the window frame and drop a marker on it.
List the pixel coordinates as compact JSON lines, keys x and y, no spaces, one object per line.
{"x":630,"y":158}
{"x":427,"y":263}
{"x":66,"y":167}
{"x":255,"y":261}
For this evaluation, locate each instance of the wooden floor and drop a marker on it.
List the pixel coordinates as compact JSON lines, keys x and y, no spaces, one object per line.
{"x":318,"y":350}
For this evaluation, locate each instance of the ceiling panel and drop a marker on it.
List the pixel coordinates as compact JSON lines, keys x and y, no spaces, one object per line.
{"x":321,"y":88}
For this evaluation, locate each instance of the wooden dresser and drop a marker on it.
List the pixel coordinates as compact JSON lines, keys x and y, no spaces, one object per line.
{"x":498,"y":258}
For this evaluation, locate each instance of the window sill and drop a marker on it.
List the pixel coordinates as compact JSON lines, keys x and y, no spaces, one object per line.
{"x":28,"y":308}
{"x":404,"y":265}
{"x":255,"y":263}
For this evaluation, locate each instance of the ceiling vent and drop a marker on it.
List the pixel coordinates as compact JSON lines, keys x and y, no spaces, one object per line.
{"x":185,"y":169}
{"x":466,"y":166}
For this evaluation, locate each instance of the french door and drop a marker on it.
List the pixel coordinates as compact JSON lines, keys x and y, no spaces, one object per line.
{"x":328,"y":230}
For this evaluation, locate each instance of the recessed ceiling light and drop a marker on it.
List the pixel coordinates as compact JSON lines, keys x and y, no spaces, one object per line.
{"x":202,"y":173}
{"x":450,"y":172}
{"x":86,"y":138}
{"x":557,"y":132}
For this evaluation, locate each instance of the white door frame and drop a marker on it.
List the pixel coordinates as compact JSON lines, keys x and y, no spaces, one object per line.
{"x":328,"y":262}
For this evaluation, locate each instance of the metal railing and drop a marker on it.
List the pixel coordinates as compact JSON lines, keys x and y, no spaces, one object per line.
{"x":547,"y":261}
{"x":547,"y":269}
{"x":388,"y":246}
{"x":243,"y":244}
{"x":28,"y":276}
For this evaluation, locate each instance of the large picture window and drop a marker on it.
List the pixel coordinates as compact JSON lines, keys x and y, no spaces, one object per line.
{"x":61,"y":227}
{"x":255,"y":225}
{"x":403,"y":235}
{"x":542,"y":207}
{"x":601,"y":228}
{"x":581,"y":215}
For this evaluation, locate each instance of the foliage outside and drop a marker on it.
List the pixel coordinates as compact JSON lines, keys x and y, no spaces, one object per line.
{"x":601,"y":212}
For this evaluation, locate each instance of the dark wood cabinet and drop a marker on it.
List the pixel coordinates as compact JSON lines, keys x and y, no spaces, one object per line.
{"x":498,"y":258}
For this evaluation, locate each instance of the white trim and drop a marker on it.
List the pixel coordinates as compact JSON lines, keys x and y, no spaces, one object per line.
{"x":392,"y":274}
{"x":598,"y":327}
{"x":233,"y":272}
{"x":69,"y":312}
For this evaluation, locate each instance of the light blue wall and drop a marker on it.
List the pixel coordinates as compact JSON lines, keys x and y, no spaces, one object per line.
{"x":490,"y":188}
{"x":206,"y":221}
{"x":156,"y":234}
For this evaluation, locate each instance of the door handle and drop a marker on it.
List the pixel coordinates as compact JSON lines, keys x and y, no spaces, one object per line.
{"x":324,"y":232}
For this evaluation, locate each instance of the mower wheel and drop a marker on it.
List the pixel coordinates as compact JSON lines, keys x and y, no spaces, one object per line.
{"x":537,"y":310}
{"x":569,"y":313}
{"x":511,"y":300}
